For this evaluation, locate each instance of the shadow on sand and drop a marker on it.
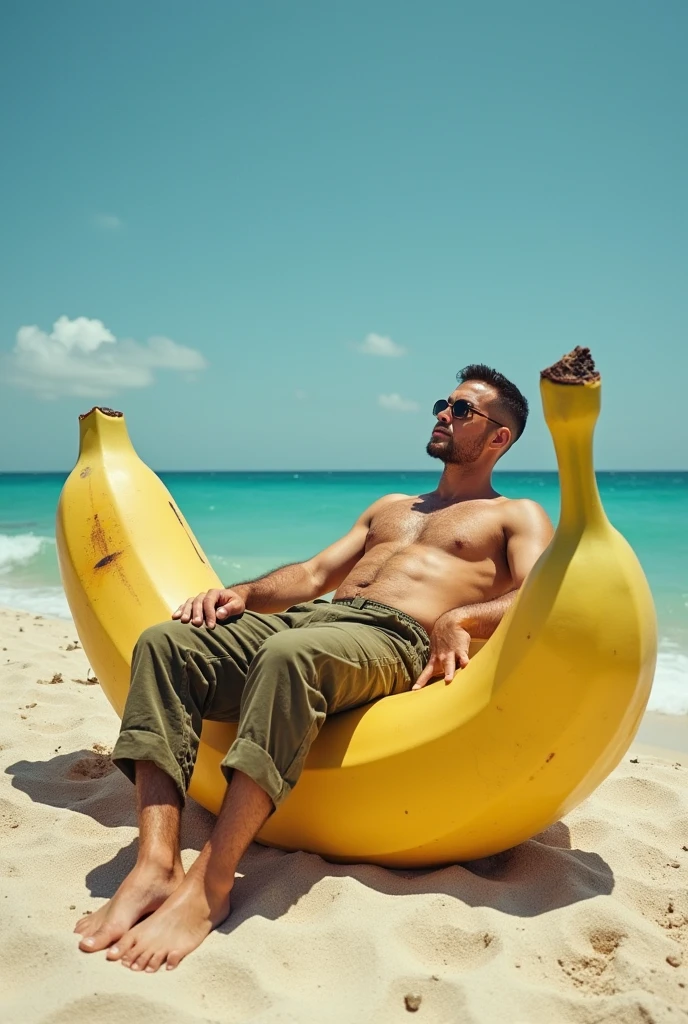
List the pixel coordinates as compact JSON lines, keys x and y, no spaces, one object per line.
{"x":533,"y":878}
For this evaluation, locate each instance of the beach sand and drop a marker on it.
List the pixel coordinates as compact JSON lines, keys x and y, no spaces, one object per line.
{"x":588,"y":922}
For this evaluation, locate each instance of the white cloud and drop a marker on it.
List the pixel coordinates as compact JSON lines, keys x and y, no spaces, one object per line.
{"x":379,"y":345}
{"x":82,"y":357}
{"x":166,"y":354}
{"x":108,"y":222}
{"x":82,"y":334}
{"x":395,"y":403}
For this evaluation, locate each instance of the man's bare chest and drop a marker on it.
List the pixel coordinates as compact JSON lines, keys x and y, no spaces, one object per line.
{"x":469,"y":529}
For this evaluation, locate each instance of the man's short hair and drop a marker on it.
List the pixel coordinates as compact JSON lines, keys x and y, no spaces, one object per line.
{"x":510,"y":398}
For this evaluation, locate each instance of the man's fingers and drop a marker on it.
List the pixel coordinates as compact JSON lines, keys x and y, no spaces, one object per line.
{"x":425,"y":675}
{"x":197,"y":610}
{"x":462,"y":658}
{"x":209,"y":605}
{"x":187,"y":610}
{"x":421,"y":680}
{"x":449,"y":666}
{"x":204,"y":608}
{"x":232,"y":606}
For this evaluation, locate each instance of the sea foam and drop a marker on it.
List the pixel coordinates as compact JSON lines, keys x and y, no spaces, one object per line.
{"x":22,"y":575}
{"x":39,"y":600}
{"x":20,"y":549}
{"x":670,"y":687}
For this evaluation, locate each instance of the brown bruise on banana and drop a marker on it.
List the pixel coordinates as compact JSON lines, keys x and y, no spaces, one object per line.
{"x":108,"y":559}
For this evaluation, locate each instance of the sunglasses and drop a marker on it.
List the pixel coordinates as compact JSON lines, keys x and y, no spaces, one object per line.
{"x":461,"y":410}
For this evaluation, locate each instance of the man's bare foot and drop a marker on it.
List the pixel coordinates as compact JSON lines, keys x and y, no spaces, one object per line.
{"x":144,"y":889}
{"x":181,"y":924}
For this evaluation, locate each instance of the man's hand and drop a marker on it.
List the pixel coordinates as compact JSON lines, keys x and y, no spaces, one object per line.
{"x":449,"y":643}
{"x":216,"y":605}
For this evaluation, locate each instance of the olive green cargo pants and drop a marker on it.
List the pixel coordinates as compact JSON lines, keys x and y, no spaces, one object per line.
{"x":277,"y":675}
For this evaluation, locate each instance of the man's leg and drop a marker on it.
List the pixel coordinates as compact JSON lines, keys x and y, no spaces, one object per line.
{"x":201,"y":902}
{"x":296,"y":677}
{"x":180,"y":674}
{"x":158,"y":869}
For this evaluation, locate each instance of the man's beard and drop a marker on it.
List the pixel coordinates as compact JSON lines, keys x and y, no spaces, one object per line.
{"x":450,"y":456}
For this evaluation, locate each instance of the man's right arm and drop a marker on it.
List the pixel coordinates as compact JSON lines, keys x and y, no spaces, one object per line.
{"x":288,"y":585}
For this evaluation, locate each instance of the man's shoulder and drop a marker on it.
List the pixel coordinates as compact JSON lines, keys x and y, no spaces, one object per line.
{"x":387,"y":499}
{"x":523,"y":506}
{"x":522,"y":511}
{"x":380,"y":503}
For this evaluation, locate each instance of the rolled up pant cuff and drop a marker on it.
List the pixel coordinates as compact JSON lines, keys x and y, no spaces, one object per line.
{"x":139,"y":745}
{"x":255,"y":762}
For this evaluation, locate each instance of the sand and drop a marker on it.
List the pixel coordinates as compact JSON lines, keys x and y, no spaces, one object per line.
{"x":588,"y":922}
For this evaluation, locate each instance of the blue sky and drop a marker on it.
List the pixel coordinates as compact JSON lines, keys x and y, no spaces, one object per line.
{"x":267,"y":190}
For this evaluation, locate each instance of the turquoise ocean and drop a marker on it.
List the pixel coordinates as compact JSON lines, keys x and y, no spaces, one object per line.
{"x":249,"y":523}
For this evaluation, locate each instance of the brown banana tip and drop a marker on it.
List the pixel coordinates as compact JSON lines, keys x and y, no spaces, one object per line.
{"x":577,"y":367}
{"x":101,"y":408}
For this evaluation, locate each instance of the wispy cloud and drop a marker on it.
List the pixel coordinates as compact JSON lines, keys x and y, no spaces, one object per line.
{"x":379,"y":345}
{"x":395,"y":403}
{"x":82,"y":357}
{"x":108,"y":222}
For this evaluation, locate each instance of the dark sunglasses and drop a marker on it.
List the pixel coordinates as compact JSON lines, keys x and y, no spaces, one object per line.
{"x":461,"y":410}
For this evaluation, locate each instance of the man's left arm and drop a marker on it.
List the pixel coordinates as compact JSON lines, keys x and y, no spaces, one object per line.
{"x":528,"y":532}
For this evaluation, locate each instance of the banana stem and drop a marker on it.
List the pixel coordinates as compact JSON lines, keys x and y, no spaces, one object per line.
{"x":581,"y":505}
{"x":102,"y":431}
{"x":571,"y":413}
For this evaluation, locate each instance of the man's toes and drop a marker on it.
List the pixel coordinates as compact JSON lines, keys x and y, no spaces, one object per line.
{"x":122,"y":948}
{"x":141,"y":961}
{"x":127,"y":958}
{"x":155,"y":962}
{"x":99,"y":940}
{"x":174,"y":959}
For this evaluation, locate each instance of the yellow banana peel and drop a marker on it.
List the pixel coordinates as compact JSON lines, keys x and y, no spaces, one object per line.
{"x":542,"y":713}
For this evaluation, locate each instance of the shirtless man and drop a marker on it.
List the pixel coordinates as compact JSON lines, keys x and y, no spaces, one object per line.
{"x":414,"y":579}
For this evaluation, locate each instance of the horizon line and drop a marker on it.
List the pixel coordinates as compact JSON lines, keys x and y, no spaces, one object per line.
{"x":189,"y":472}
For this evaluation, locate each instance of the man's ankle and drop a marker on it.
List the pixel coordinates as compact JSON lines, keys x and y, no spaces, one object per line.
{"x":160,"y":860}
{"x":217,"y":883}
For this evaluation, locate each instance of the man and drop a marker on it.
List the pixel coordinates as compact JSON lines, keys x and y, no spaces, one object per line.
{"x":414,"y":579}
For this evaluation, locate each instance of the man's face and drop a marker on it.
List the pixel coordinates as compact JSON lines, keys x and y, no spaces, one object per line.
{"x":462,"y":441}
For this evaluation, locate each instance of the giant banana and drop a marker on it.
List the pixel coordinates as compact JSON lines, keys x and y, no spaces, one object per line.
{"x":538,"y":718}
